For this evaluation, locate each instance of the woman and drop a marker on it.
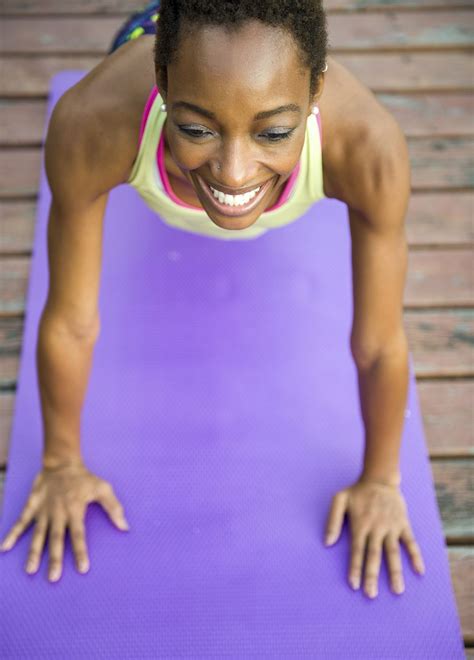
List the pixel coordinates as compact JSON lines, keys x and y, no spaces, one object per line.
{"x":229,"y":143}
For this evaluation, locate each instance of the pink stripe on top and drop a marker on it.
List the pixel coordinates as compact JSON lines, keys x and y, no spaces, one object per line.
{"x":164,"y":175}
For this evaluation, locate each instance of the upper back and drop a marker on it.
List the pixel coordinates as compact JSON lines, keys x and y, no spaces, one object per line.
{"x":95,"y":125}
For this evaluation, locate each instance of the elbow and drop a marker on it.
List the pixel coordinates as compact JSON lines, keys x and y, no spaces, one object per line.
{"x":365,"y":355}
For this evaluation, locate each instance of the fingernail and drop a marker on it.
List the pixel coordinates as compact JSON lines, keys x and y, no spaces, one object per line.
{"x":399,"y":588}
{"x":54,"y":575}
{"x":84,"y":566}
{"x":125,"y":525}
{"x":30,"y":567}
{"x":330,"y":539}
{"x":372,"y":592}
{"x":355,"y":584}
{"x":5,"y":545}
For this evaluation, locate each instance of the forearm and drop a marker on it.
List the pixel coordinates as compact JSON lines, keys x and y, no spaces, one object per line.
{"x":383,"y":389}
{"x":64,"y":361}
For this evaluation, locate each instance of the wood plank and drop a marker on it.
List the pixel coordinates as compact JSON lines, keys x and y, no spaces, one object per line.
{"x":413,"y":31}
{"x":22,"y":122}
{"x":25,"y":76}
{"x":454,"y":481}
{"x":461,"y":563}
{"x":416,"y":30}
{"x":433,"y":219}
{"x":442,"y":278}
{"x":126,"y":7}
{"x":20,"y":172}
{"x":411,"y":72}
{"x":88,"y":35}
{"x":448,"y":418}
{"x":17,"y":227}
{"x":440,"y":218}
{"x":7,"y":404}
{"x":426,"y":115}
{"x":436,"y":163}
{"x":441,"y":342}
{"x":59,"y":7}
{"x":430,"y":115}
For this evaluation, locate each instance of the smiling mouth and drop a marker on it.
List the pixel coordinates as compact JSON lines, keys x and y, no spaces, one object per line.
{"x":234,"y":205}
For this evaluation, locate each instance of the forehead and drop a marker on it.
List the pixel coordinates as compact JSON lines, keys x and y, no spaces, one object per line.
{"x":254,"y":59}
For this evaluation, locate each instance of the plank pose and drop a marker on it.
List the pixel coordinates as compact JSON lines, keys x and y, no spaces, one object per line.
{"x":219,"y":126}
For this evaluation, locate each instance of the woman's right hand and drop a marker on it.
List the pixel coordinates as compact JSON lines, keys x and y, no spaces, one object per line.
{"x":59,"y":499}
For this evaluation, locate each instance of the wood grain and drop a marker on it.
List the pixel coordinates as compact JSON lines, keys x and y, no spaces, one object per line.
{"x":414,"y":31}
{"x":26,"y":76}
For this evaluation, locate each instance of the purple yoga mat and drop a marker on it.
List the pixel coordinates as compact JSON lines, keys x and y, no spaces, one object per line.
{"x":223,"y":407}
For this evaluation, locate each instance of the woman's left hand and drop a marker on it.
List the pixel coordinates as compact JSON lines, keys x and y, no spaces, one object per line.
{"x":378,"y":516}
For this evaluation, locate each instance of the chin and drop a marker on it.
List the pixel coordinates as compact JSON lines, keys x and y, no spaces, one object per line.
{"x":237,"y":223}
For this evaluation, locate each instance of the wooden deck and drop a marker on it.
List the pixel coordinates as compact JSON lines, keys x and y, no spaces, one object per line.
{"x":416,"y":56}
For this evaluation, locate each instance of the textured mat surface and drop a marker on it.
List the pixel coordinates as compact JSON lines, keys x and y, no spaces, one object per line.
{"x":223,"y":407}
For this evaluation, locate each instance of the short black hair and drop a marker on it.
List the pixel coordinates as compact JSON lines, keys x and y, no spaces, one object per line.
{"x":305,"y":20}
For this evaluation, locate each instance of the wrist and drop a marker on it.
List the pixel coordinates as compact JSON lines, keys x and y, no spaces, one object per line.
{"x":393,"y":478}
{"x":56,"y":462}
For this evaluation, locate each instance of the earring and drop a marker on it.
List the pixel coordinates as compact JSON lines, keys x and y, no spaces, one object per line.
{"x":315,"y":110}
{"x":325,"y":67}
{"x":163,"y":107}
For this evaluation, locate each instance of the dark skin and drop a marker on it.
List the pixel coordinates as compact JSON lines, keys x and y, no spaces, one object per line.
{"x":236,"y":75}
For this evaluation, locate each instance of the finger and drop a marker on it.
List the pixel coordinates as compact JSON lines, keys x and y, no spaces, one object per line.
{"x":336,"y":517}
{"x":392,"y":552}
{"x":372,"y":565}
{"x":78,"y":540}
{"x":37,"y":545}
{"x":413,"y":550}
{"x":113,"y":507}
{"x":357,"y":558}
{"x":56,"y":547}
{"x":19,"y":527}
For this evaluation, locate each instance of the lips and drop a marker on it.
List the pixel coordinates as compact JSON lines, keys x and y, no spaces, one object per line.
{"x":233,"y":211}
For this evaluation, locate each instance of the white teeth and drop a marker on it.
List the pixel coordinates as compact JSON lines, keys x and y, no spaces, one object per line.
{"x":234,"y":200}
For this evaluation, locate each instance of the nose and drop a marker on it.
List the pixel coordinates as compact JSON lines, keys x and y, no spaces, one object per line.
{"x":234,"y":166}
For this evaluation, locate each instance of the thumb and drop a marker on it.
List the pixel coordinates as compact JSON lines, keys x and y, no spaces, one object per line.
{"x":336,"y":517}
{"x":114,"y":510}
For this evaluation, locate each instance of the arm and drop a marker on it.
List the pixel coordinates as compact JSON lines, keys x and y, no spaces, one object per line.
{"x":69,"y":324}
{"x":379,"y":263}
{"x":374,"y":503}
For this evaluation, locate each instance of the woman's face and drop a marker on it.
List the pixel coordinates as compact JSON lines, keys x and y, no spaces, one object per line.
{"x":237,"y":106}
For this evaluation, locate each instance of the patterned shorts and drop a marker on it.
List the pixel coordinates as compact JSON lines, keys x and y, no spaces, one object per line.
{"x":141,"y":22}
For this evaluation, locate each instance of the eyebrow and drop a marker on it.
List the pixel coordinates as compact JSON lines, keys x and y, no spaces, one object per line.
{"x":290,"y":107}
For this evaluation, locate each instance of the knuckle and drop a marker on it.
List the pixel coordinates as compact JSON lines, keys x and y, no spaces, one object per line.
{"x":56,"y":537}
{"x":106,"y":488}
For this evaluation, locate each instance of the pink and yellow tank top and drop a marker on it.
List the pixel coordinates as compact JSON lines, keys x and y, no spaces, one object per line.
{"x":150,"y":180}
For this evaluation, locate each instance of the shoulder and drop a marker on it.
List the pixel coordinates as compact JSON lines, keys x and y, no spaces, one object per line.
{"x":95,"y":125}
{"x":365,"y":152}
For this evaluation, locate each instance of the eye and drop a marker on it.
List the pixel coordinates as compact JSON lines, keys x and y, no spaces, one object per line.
{"x":276,"y":137}
{"x":194,"y":132}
